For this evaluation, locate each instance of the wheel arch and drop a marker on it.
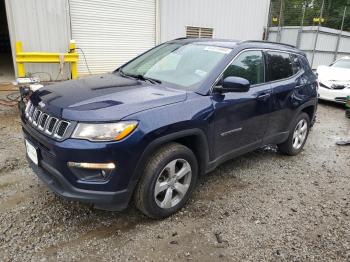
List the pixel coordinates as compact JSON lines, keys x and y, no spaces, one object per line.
{"x":310,"y":111}
{"x":309,"y":108}
{"x":194,"y":139}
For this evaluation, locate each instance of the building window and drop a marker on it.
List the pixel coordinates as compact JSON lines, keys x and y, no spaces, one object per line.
{"x":199,"y":32}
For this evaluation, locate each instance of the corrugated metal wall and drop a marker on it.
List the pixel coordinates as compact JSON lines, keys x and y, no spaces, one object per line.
{"x":326,"y":42}
{"x":232,"y":19}
{"x":112,"y":32}
{"x":42,"y":25}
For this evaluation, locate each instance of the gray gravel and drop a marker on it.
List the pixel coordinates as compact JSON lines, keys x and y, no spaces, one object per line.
{"x":261,"y":206}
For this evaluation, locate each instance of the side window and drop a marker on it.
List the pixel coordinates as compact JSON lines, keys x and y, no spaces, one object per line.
{"x":248,"y":65}
{"x":305,"y":64}
{"x":279,"y":65}
{"x":295,"y":63}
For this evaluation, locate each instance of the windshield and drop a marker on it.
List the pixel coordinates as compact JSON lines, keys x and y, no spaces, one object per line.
{"x":344,"y":63}
{"x":184,"y":65}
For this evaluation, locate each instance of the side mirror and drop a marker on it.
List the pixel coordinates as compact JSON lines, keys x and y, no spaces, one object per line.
{"x":234,"y":84}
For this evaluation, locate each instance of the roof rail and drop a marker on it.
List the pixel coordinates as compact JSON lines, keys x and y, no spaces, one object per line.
{"x":181,"y":38}
{"x":268,"y":42}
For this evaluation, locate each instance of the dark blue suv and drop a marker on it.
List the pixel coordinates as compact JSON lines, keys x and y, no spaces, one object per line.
{"x":150,"y":128}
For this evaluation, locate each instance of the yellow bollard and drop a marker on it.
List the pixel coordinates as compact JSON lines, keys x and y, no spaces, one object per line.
{"x":44,"y":57}
{"x":20,"y":66}
{"x":74,"y":65}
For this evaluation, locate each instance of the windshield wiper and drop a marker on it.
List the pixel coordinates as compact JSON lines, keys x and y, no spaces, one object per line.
{"x":143,"y":78}
{"x":121,"y":72}
{"x":140,"y":77}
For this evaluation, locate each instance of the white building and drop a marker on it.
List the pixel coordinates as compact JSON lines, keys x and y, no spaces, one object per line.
{"x":110,"y":32}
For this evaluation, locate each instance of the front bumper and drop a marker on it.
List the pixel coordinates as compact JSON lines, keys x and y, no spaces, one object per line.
{"x":113,"y":201}
{"x":336,"y":95}
{"x":52,"y":168}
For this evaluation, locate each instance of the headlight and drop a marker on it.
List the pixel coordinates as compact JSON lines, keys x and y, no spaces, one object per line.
{"x":104,"y":131}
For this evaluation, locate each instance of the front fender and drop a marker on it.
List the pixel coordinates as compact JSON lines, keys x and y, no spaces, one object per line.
{"x":158,"y":142}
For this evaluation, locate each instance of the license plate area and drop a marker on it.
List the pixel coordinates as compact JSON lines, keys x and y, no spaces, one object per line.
{"x":32,"y":152}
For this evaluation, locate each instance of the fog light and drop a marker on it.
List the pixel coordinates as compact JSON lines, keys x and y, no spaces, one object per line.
{"x":92,"y":165}
{"x":92,"y":172}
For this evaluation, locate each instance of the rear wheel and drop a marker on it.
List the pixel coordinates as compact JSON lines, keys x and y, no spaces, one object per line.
{"x":347,"y":113}
{"x":297,"y":136}
{"x":168,"y":181}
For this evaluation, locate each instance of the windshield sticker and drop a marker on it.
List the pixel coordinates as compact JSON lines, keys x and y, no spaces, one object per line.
{"x":200,"y":73}
{"x":218,"y":49}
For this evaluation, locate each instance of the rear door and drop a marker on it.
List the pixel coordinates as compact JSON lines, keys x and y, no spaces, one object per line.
{"x":285,"y":74}
{"x":241,"y":118}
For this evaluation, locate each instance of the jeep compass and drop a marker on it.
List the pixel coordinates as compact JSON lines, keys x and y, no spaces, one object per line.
{"x":149,"y":129}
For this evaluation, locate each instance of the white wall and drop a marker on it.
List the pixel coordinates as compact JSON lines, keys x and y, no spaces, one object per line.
{"x":44,"y":25}
{"x":231,"y":19}
{"x":41,"y":25}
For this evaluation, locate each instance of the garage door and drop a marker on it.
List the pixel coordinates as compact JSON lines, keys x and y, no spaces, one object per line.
{"x":111,"y":32}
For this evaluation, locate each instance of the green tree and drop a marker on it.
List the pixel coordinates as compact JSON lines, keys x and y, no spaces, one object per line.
{"x":293,"y":11}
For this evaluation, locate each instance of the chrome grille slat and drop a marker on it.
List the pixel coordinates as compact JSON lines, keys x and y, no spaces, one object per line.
{"x":36,"y":116}
{"x":29,"y":104}
{"x":44,"y":122}
{"x":30,"y":112}
{"x":51,"y":125}
{"x":60,"y":130}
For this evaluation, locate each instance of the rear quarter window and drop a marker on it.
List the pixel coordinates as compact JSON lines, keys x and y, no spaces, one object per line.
{"x":279,"y":65}
{"x":305,"y":64}
{"x":296,"y":64}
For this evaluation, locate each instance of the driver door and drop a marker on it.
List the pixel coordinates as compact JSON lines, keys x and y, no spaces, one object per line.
{"x":241,"y":118}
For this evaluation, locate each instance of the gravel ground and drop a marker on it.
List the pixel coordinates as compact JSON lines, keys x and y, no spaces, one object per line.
{"x":261,"y":206}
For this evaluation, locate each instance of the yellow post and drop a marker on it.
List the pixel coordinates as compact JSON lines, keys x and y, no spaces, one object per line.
{"x":74,"y":66}
{"x":20,"y":66}
{"x":45,"y":57}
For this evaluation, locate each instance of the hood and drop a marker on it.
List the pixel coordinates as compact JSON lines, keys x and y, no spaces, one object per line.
{"x":107,"y":97}
{"x":327,"y":73}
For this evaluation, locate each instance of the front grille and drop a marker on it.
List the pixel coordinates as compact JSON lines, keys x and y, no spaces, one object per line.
{"x":36,"y":116}
{"x":43,"y":122}
{"x":340,"y":99}
{"x":51,"y":124}
{"x":61,"y":128}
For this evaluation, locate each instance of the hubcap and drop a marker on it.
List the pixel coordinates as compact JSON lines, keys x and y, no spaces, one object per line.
{"x":172,"y":183}
{"x":299,"y":134}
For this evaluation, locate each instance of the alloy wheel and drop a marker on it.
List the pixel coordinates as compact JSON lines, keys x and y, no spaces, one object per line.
{"x":299,"y":134}
{"x":172,"y":183}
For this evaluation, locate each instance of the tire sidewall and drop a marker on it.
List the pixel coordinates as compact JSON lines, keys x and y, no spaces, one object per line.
{"x":181,"y":153}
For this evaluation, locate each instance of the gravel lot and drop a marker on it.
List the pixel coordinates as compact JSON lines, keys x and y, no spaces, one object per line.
{"x":261,"y":206}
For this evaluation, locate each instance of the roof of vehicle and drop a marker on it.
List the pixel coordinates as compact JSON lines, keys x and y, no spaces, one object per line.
{"x":235,"y":43}
{"x":344,"y":57}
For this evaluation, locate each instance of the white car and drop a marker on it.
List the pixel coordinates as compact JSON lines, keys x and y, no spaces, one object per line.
{"x":334,"y":80}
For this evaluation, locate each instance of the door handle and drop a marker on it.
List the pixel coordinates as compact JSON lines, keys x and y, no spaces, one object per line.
{"x":263,"y":96}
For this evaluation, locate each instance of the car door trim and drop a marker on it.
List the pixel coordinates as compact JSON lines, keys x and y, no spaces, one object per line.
{"x":231,"y":131}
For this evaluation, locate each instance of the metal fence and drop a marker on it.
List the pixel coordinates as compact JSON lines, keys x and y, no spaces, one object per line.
{"x":321,"y":28}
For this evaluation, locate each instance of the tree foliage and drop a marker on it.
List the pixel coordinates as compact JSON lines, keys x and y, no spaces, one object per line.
{"x":292,"y":13}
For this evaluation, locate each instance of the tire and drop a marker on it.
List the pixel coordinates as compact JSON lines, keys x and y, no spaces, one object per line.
{"x":162,"y":172}
{"x":347,"y":113}
{"x":290,"y":146}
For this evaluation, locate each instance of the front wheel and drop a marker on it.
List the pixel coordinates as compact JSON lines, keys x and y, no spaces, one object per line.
{"x":297,"y":136}
{"x":168,"y":181}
